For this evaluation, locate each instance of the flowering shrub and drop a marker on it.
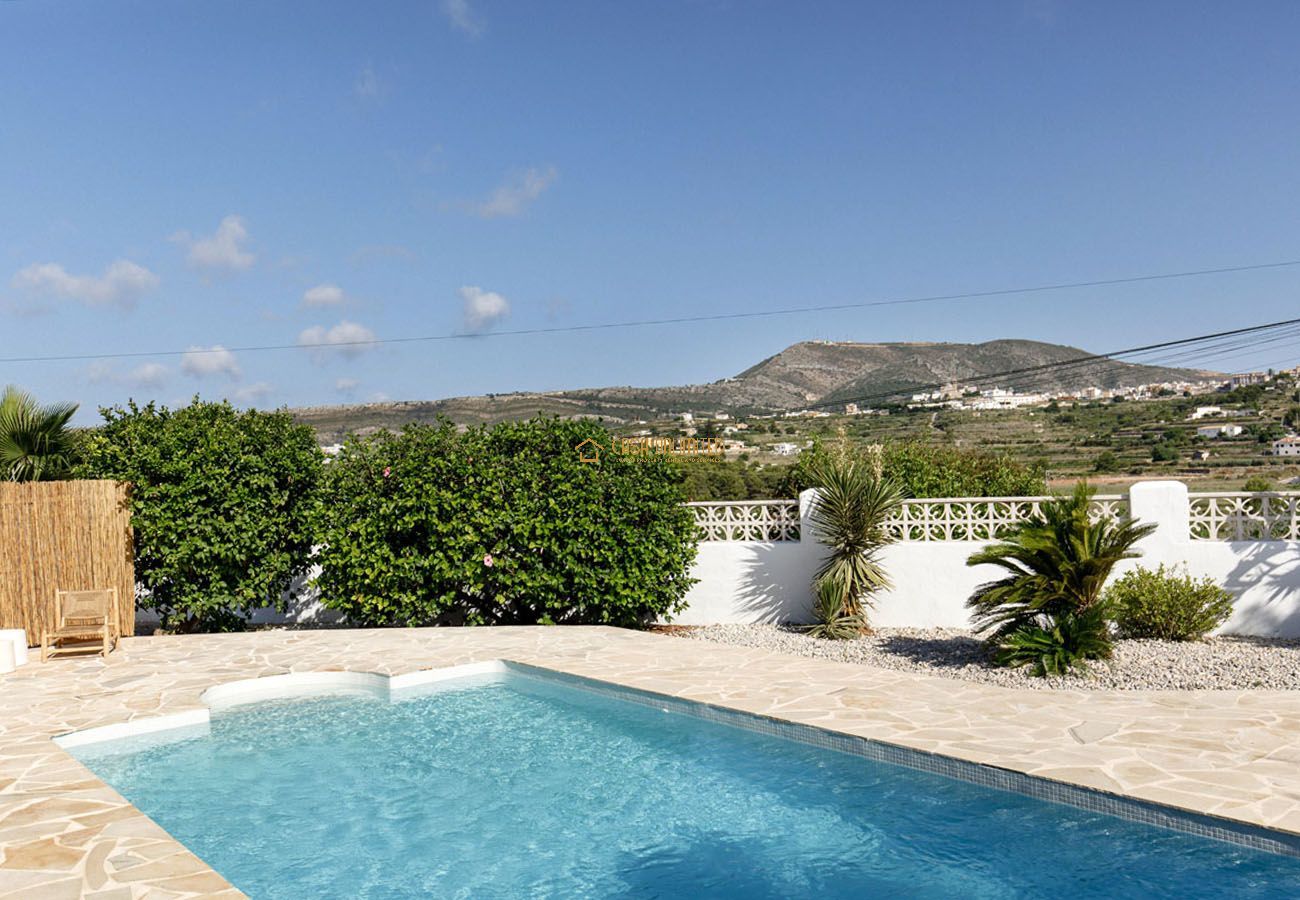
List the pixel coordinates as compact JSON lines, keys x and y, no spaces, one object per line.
{"x":501,"y":526}
{"x":221,"y":504}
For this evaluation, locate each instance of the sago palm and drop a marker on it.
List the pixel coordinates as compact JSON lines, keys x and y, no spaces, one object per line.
{"x":850,"y":513}
{"x":1057,"y":564}
{"x":35,"y":441}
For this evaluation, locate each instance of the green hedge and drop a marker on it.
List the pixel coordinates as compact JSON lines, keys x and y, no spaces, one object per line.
{"x":501,"y":526}
{"x":221,"y":505}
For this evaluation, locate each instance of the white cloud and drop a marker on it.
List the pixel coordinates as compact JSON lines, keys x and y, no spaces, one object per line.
{"x":346,"y":386}
{"x":215,"y":360}
{"x":323,"y":295}
{"x":368,"y":85}
{"x":512,"y":197}
{"x":483,"y":309}
{"x":146,"y":375}
{"x":223,"y":250}
{"x":345,"y":339}
{"x":461,"y":17}
{"x":253,"y":393}
{"x":122,"y":283}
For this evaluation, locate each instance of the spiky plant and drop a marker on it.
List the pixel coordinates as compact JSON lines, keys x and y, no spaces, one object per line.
{"x":1057,"y":564}
{"x":832,"y":622}
{"x":1059,"y":645}
{"x":849,"y":515}
{"x":35,"y":441}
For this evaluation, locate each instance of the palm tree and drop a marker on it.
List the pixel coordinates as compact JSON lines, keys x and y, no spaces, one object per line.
{"x":1057,"y":564}
{"x":850,"y":513}
{"x":35,"y":441}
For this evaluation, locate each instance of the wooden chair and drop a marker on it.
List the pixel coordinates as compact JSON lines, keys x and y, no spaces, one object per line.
{"x":85,"y":617}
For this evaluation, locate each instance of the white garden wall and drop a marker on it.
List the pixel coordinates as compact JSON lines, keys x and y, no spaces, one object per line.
{"x":745,"y":581}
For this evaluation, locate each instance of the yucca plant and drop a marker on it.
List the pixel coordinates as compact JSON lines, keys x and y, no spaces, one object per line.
{"x":832,"y":621}
{"x":35,"y":441}
{"x":849,"y":515}
{"x":1060,"y":645}
{"x":1057,"y":563}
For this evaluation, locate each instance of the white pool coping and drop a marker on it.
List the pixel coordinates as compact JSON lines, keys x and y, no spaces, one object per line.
{"x":292,"y":685}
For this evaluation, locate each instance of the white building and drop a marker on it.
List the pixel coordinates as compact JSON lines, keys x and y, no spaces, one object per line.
{"x":785,"y":449}
{"x":1218,"y":431}
{"x":1204,"y":412}
{"x":1287,"y":446}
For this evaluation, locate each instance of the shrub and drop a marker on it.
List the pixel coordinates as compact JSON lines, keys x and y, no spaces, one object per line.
{"x":1258,"y":484}
{"x":1167,"y":605}
{"x":502,"y":526}
{"x":1057,"y":645}
{"x":221,"y":504}
{"x":1106,"y":461}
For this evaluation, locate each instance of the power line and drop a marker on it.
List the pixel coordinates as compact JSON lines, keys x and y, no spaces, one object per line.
{"x":676,"y":320}
{"x":1053,"y":367}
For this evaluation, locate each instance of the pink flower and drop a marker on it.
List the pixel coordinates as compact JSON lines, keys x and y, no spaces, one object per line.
{"x":388,"y":470}
{"x":487,"y":560}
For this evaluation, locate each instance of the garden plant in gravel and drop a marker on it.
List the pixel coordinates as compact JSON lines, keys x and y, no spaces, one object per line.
{"x":1050,"y":611}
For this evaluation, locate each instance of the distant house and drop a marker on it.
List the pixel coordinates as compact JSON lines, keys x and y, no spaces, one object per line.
{"x":785,"y":449}
{"x":1200,"y":455}
{"x":1204,"y":412}
{"x":1219,"y":431}
{"x":1287,"y":446}
{"x":1248,"y":378}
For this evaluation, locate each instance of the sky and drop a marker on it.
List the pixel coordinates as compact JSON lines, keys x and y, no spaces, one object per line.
{"x":222,"y":175}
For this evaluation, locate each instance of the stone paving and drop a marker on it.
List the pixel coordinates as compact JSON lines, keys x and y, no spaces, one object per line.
{"x":63,"y":833}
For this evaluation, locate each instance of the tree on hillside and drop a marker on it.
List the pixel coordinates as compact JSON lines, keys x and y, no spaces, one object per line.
{"x":36,"y":443}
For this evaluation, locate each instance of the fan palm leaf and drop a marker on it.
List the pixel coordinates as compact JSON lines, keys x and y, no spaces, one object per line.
{"x":36,"y":443}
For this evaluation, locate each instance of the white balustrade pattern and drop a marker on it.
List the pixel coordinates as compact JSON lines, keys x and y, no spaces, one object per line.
{"x":944,"y":519}
{"x":978,"y":518}
{"x":1244,"y":516}
{"x":748,"y":520}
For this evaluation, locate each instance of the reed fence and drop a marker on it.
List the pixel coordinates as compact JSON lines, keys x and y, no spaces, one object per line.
{"x":63,"y":535}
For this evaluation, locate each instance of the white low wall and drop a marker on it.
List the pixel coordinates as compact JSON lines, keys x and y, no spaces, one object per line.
{"x":751,"y":581}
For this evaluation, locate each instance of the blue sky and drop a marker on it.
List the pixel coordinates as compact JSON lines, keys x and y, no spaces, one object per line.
{"x":185,"y":174}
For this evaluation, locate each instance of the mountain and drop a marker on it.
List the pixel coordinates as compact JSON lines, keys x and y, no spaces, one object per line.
{"x":803,"y":374}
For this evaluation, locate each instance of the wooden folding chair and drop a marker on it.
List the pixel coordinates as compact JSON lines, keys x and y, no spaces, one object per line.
{"x":85,"y":617}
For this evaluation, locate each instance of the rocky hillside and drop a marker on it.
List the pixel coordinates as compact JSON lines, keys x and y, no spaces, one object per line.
{"x":803,"y":374}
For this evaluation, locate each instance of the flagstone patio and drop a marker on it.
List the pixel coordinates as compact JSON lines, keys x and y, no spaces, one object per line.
{"x":63,"y":833}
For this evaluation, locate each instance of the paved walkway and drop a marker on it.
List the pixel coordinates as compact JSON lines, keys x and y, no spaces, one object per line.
{"x":63,"y":833}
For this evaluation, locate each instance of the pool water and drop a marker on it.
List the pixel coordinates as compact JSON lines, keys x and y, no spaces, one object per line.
{"x":514,"y":786}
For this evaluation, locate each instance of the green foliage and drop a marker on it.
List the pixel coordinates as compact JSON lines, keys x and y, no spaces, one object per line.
{"x":853,"y":504}
{"x":1106,"y":461}
{"x":35,"y":441}
{"x":502,"y":526}
{"x":1164,"y":452}
{"x":1056,"y":563}
{"x":718,"y":479}
{"x":934,"y":470}
{"x":833,"y":622}
{"x":221,"y":504}
{"x":1057,"y":644}
{"x":1257,"y":484}
{"x":1167,"y":605}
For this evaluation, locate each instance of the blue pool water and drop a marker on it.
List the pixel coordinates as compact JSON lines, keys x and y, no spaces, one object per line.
{"x":515,"y":786}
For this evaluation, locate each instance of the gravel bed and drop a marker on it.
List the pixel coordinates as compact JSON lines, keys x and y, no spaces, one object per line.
{"x":1221,"y":663}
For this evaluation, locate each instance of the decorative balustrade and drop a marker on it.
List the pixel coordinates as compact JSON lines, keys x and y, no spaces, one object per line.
{"x":1244,"y":517}
{"x":945,"y":519}
{"x":978,"y":518}
{"x":748,"y":520}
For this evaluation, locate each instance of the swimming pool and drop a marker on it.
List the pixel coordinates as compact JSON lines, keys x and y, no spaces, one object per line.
{"x":510,"y":784}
